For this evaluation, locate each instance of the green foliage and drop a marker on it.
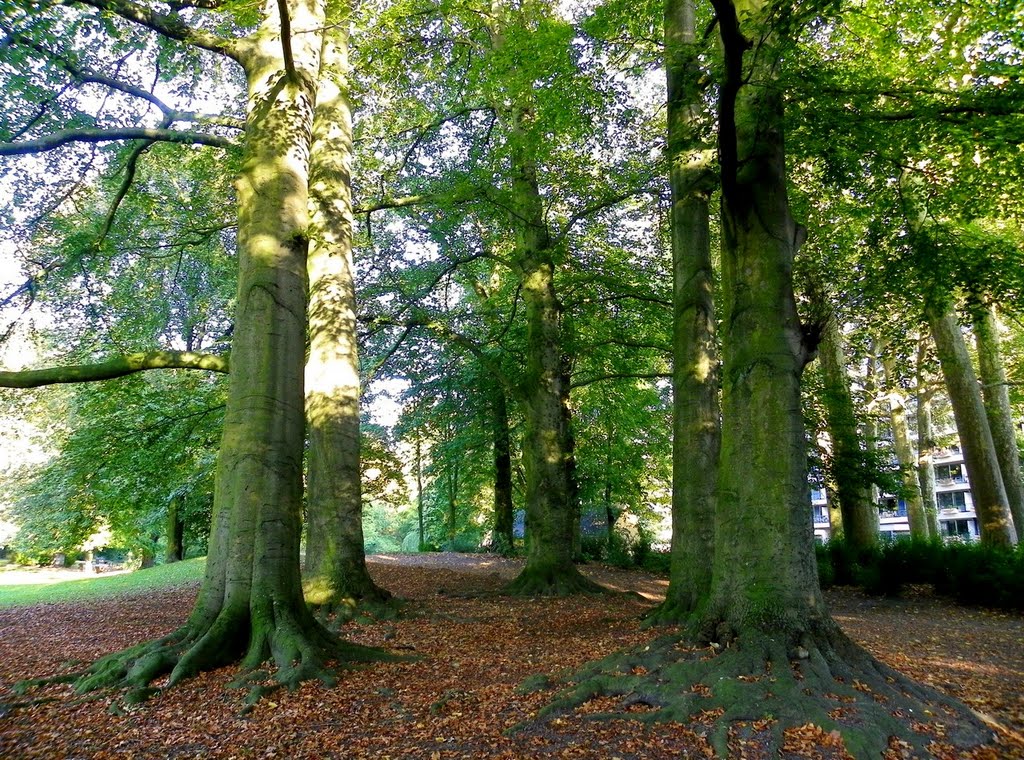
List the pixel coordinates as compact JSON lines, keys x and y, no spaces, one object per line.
{"x":970,"y":573}
{"x":127,"y":446}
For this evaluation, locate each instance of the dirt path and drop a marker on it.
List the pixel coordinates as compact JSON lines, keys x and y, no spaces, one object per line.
{"x":460,"y":695}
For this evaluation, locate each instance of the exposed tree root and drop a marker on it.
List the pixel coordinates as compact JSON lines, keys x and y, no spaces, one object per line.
{"x":552,"y":581}
{"x":756,"y":681}
{"x":336,"y":613}
{"x":297,"y":648}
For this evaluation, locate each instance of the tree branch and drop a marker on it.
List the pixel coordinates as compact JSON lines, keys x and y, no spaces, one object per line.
{"x":167,"y":24}
{"x":286,"y":41}
{"x":119,"y":366}
{"x":622,"y":376}
{"x":97,"y":135}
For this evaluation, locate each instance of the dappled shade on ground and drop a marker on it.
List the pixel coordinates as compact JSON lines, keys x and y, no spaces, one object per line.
{"x":462,"y":693}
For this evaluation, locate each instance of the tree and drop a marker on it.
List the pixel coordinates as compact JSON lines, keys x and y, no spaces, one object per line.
{"x":774,"y":648}
{"x":848,"y":465}
{"x":250,"y":605}
{"x":335,"y":557}
{"x":695,"y":422}
{"x":997,"y":408}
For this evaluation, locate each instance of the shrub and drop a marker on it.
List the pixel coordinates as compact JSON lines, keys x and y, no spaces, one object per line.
{"x":969,"y":573}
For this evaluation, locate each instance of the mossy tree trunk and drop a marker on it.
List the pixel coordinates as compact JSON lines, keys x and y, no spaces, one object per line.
{"x":990,"y":502}
{"x":695,"y":420}
{"x":850,"y":478}
{"x":335,"y":566}
{"x":251,"y":605}
{"x":997,"y":408}
{"x":764,"y":580}
{"x":904,"y":449}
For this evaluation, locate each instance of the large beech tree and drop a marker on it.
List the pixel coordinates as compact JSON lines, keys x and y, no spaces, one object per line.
{"x":251,"y":605}
{"x":766,"y":644}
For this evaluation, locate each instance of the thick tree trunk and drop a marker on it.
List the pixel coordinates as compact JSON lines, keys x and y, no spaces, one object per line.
{"x":695,"y":421}
{"x":551,"y":515}
{"x":504,"y":509}
{"x":990,"y":502}
{"x":251,"y":604}
{"x":997,"y":409}
{"x":926,"y":443}
{"x":905,"y":453}
{"x":336,"y":571}
{"x":850,"y":478}
{"x":764,"y":573}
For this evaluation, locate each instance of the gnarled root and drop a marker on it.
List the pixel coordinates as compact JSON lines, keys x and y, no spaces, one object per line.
{"x":756,"y":684}
{"x":296,"y":646}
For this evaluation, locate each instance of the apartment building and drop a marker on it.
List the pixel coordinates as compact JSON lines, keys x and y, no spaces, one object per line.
{"x":952,"y":495}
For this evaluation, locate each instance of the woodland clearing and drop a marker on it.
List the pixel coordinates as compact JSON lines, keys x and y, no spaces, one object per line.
{"x":458,"y":693}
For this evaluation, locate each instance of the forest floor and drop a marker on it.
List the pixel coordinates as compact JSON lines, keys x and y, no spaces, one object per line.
{"x":457,"y":696}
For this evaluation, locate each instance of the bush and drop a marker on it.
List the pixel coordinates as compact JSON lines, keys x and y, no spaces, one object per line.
{"x":659,"y":563}
{"x":969,"y":573}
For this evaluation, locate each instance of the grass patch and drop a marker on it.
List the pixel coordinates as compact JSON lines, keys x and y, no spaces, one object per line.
{"x":102,"y":587}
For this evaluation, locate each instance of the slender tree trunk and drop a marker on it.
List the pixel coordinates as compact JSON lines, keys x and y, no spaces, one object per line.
{"x":905,"y":454}
{"x":552,"y":511}
{"x":926,"y":443}
{"x":504,"y":509}
{"x":419,"y":491}
{"x":695,"y":422}
{"x":175,"y":529}
{"x":335,"y":556}
{"x":990,"y":502}
{"x":851,"y":479}
{"x":997,"y":409}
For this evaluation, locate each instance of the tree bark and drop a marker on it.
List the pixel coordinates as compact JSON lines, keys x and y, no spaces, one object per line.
{"x":905,"y":453}
{"x":990,"y":502}
{"x":997,"y":408}
{"x":850,"y":477}
{"x":764,"y":581}
{"x":695,"y":420}
{"x":335,"y":556}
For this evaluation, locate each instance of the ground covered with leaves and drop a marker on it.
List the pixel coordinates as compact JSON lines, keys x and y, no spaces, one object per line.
{"x":475,"y":662}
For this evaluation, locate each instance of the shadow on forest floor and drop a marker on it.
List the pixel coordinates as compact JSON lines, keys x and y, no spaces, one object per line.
{"x":461,"y":695}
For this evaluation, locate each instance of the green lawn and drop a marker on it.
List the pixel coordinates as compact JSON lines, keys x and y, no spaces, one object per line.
{"x":103,"y":587}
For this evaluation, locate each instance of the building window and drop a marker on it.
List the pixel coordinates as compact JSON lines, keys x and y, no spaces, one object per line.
{"x":958,"y":528}
{"x":890,"y":506}
{"x":820,"y":515}
{"x":952,"y":500}
{"x":947,"y":474}
{"x":817,"y":494}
